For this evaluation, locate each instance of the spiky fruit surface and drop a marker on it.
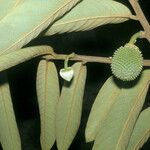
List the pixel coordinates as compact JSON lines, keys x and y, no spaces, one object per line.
{"x":127,"y":63}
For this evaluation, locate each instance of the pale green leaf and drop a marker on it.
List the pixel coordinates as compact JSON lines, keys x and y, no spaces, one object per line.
{"x":117,"y":128}
{"x":48,"y":94}
{"x":26,"y":21}
{"x":101,"y":108}
{"x":90,"y":14}
{"x":7,"y":7}
{"x":70,"y":107}
{"x":9,"y":134}
{"x":19,"y":56}
{"x":141,"y":131}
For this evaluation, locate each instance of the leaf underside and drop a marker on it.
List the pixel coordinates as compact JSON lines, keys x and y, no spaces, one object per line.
{"x":141,"y":131}
{"x":47,"y":85}
{"x":69,"y":108}
{"x":6,"y":8}
{"x":101,"y":108}
{"x":90,"y":14}
{"x":117,"y":128}
{"x":26,"y":21}
{"x":22,"y":55}
{"x":9,"y":134}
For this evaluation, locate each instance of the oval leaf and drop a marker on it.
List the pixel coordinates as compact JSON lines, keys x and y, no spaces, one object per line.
{"x":90,"y":14}
{"x":116,"y":131}
{"x":47,"y":85}
{"x":101,"y":108}
{"x":27,"y":20}
{"x":9,"y":134}
{"x":70,"y":107}
{"x":22,"y":55}
{"x":141,"y":131}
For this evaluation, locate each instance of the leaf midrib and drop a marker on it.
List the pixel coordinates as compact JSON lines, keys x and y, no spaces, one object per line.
{"x":72,"y":104}
{"x":7,"y":118}
{"x":36,"y":28}
{"x":130,"y":113}
{"x":90,"y":18}
{"x":45,"y":100}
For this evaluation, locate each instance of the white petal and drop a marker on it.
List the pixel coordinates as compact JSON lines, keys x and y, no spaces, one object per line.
{"x":67,"y":74}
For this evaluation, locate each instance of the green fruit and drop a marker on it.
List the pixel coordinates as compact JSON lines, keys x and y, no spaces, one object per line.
{"x":127,"y":62}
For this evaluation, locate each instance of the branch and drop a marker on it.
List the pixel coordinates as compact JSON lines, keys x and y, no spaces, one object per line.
{"x":141,"y":17}
{"x":86,"y":59}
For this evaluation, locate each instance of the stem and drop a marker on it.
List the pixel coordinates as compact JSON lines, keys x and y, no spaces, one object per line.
{"x":67,"y":59}
{"x":66,"y":62}
{"x":141,"y":17}
{"x":86,"y":59}
{"x":135,"y":37}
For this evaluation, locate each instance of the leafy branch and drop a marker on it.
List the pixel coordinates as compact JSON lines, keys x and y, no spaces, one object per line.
{"x":145,"y":34}
{"x":60,"y":123}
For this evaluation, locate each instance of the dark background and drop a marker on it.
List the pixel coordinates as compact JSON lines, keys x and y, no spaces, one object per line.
{"x":102,"y":41}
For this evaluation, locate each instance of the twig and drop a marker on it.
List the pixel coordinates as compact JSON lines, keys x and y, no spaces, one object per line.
{"x":141,"y":17}
{"x":86,"y":59}
{"x":135,"y":37}
{"x":83,"y":58}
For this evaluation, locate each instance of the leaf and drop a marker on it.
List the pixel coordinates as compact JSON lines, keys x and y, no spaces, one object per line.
{"x":141,"y":131}
{"x":7,"y":7}
{"x":19,"y":56}
{"x":69,"y":108}
{"x":116,"y":131}
{"x":48,"y":95}
{"x":101,"y":108}
{"x":90,"y":14}
{"x":27,"y":20}
{"x":9,"y":134}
